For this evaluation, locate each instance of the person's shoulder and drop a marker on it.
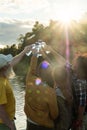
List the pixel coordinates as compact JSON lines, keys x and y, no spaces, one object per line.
{"x":2,"y":79}
{"x":2,"y":82}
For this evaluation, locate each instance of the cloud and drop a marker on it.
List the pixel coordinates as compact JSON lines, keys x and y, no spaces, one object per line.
{"x":10,"y":29}
{"x":21,"y":6}
{"x":39,"y":9}
{"x":18,"y":16}
{"x":2,"y":46}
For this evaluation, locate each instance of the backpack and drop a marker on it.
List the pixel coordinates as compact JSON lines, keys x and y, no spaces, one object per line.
{"x":63,"y":121}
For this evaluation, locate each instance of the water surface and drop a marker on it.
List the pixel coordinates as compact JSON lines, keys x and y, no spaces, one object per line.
{"x":19,"y":92}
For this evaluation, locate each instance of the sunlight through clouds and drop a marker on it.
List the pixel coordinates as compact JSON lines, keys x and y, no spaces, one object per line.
{"x":66,"y":11}
{"x":10,"y":29}
{"x":25,"y":6}
{"x":19,"y":16}
{"x":42,"y":9}
{"x":2,"y":46}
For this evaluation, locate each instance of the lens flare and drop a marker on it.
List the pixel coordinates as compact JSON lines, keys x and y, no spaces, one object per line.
{"x":38,"y":81}
{"x":45,"y":65}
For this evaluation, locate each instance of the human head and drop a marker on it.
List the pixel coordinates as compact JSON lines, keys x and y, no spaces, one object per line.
{"x":5,"y":68}
{"x":80,"y":66}
{"x":45,"y":72}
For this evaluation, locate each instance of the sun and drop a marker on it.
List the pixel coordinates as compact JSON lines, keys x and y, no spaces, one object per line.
{"x":65,"y":17}
{"x":67,"y":14}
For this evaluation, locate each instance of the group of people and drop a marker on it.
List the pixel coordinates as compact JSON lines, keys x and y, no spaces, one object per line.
{"x":55,"y":93}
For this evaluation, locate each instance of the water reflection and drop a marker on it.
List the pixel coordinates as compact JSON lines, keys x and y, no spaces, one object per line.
{"x":18,"y":88}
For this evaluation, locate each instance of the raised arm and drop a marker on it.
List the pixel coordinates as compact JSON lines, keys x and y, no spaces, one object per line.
{"x":32,"y":68}
{"x":57,"y":58}
{"x":19,"y":57}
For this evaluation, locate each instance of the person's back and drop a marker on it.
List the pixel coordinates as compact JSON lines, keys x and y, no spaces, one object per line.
{"x":64,"y":98}
{"x":64,"y":120}
{"x":40,"y":101}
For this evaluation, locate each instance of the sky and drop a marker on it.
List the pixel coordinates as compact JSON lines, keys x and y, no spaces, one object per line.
{"x":18,"y":16}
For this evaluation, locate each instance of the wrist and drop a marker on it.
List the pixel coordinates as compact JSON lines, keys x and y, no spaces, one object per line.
{"x":35,"y":54}
{"x":24,"y":52}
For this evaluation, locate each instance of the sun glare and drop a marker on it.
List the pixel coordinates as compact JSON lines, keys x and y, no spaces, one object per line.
{"x":2,"y":46}
{"x":66,"y":15}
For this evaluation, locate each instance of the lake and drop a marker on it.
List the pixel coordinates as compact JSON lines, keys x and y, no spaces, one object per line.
{"x":19,"y":92}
